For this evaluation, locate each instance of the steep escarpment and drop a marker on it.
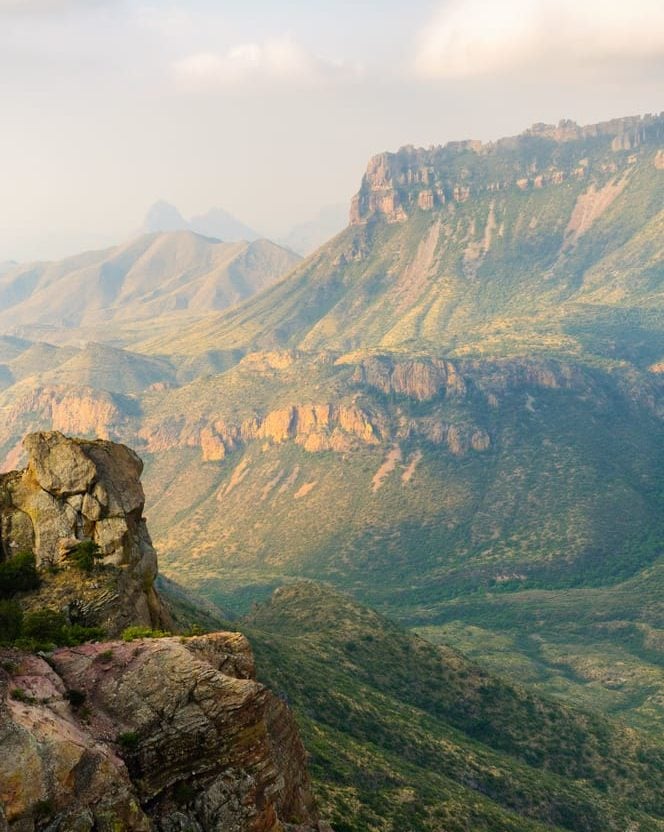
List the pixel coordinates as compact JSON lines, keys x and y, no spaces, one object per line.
{"x":396,"y":184}
{"x":165,"y":734}
{"x":545,"y":242}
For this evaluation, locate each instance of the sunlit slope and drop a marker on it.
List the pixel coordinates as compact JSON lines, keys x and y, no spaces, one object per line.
{"x":152,"y":276}
{"x":511,"y":473}
{"x":516,"y":265}
{"x":405,"y":736}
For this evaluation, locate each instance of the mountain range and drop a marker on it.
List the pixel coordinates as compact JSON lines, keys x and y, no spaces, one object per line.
{"x":150,"y":277}
{"x":453,"y":410}
{"x":216,"y":223}
{"x":303,"y":238}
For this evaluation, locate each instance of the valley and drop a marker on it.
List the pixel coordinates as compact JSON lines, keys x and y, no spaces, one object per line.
{"x":453,"y":413}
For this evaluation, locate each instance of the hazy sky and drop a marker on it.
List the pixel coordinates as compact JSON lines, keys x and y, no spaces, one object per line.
{"x":272,"y":109}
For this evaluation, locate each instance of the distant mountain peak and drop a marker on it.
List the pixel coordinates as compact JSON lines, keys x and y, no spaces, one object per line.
{"x":216,"y":223}
{"x":162,"y":216}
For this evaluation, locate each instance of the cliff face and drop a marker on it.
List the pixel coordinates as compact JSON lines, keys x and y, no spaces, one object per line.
{"x":75,"y":490}
{"x":172,"y":734}
{"x":396,"y":184}
{"x":169,"y":734}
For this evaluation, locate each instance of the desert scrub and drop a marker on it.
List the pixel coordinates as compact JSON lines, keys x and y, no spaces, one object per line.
{"x":20,"y":695}
{"x":11,"y":621}
{"x":85,"y":555}
{"x":133,"y":633}
{"x":76,"y":698}
{"x":19,"y":574}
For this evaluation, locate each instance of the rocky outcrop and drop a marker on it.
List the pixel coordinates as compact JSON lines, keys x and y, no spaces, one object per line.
{"x":74,"y":490}
{"x":317,"y":427}
{"x":165,"y":735}
{"x":421,"y":380}
{"x":397,"y":184}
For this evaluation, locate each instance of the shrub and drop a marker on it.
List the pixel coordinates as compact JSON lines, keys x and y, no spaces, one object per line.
{"x":183,"y":793}
{"x":76,"y":698}
{"x":44,"y":809}
{"x":45,"y":627}
{"x":84,"y":555}
{"x":74,"y":634}
{"x":21,"y":696}
{"x":132,"y":633}
{"x":128,"y":740}
{"x":196,"y":630}
{"x":11,"y":621}
{"x":105,"y":656}
{"x":19,"y":574}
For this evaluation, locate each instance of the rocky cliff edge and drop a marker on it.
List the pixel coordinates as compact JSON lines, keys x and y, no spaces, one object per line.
{"x":170,"y":734}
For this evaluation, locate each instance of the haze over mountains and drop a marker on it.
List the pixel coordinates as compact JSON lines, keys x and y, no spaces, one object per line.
{"x":154,"y":275}
{"x":217,"y":223}
{"x":303,"y":238}
{"x":453,"y":410}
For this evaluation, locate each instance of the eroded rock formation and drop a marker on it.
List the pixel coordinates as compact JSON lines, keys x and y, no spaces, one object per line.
{"x":74,"y":490}
{"x":170,"y":735}
{"x":396,"y":184}
{"x":167,"y":734}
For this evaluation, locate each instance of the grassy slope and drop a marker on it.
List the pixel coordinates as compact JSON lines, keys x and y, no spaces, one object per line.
{"x":405,"y":736}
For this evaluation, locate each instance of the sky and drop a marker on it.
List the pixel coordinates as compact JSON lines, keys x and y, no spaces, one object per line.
{"x":271,"y":110}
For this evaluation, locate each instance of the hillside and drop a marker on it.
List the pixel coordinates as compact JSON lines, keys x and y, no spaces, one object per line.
{"x":407,"y":736}
{"x":153,"y":276}
{"x":547,"y":242}
{"x":452,"y":410}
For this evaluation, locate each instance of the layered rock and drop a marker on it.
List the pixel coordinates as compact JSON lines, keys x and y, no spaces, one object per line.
{"x":77,"y":490}
{"x":170,"y":735}
{"x":397,"y":184}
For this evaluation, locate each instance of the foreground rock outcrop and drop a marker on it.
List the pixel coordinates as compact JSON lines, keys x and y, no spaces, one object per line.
{"x":170,"y":734}
{"x":163,"y":734}
{"x":74,"y":490}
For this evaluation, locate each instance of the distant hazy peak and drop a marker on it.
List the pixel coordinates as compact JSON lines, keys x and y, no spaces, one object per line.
{"x":216,"y":223}
{"x":224,"y":226}
{"x":163,"y":216}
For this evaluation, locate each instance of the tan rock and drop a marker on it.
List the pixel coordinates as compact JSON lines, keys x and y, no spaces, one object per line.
{"x":108,"y":511}
{"x":61,"y":468}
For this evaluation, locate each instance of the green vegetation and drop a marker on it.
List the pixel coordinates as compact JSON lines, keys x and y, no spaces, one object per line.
{"x":11,"y":621}
{"x":21,"y":696}
{"x":133,"y":633}
{"x":404,"y":735}
{"x":128,"y":741}
{"x":85,"y":555}
{"x":18,"y":574}
{"x":41,"y":629}
{"x":76,"y":698}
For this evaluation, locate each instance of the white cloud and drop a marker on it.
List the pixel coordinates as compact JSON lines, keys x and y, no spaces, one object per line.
{"x":470,"y":38}
{"x":274,"y":62}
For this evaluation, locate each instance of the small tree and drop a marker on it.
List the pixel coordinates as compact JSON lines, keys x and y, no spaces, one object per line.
{"x":11,"y":621}
{"x":44,"y":627}
{"x":84,"y":555}
{"x":18,"y":574}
